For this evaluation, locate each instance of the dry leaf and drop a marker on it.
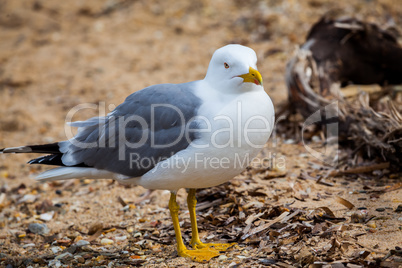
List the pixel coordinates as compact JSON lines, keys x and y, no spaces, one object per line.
{"x":344,"y":202}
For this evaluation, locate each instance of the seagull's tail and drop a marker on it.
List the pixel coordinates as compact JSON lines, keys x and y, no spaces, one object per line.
{"x":53,"y":158}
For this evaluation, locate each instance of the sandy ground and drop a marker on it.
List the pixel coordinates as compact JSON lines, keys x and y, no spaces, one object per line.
{"x":55,"y":55}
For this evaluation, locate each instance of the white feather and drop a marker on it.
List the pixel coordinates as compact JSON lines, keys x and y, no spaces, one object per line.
{"x":66,"y":173}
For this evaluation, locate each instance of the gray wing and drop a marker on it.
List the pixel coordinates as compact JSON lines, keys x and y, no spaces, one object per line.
{"x":148,"y":127}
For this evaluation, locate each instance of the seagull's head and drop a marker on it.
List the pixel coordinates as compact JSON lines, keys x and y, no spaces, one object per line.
{"x":233,"y":68}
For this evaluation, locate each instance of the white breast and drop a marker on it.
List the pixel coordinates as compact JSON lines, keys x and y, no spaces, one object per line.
{"x":235,"y":129}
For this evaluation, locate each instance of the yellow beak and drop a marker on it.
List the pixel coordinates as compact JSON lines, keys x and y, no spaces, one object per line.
{"x":253,"y":76}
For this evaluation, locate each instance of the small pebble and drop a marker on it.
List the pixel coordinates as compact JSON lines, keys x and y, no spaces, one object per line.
{"x":56,"y":249}
{"x":289,"y":141}
{"x":241,"y":257}
{"x":59,"y":192}
{"x":242,"y":215}
{"x":106,"y":241}
{"x":372,"y":225}
{"x":222,"y":258}
{"x":2,"y":198}
{"x":47,"y":216}
{"x":38,"y":228}
{"x":125,"y":208}
{"x":64,"y":256}
{"x":72,"y":249}
{"x":232,"y":264}
{"x":315,"y":138}
{"x":28,"y":198}
{"x":361,"y":208}
{"x":400,"y":219}
{"x":28,"y":245}
{"x":210,"y":236}
{"x":137,"y":234}
{"x":267,"y":261}
{"x":81,"y":243}
{"x":120,"y":238}
{"x":54,"y":263}
{"x":359,"y":216}
{"x":380,"y":209}
{"x":79,"y":259}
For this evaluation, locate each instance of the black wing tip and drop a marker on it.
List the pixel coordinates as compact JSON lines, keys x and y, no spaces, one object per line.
{"x":53,"y":160}
{"x":34,"y":161}
{"x":50,"y":148}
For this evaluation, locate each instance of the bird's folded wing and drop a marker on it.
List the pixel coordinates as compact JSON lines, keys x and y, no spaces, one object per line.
{"x":144,"y":130}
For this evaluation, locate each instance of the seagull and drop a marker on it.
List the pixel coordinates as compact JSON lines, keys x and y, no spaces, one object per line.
{"x":171,"y":136}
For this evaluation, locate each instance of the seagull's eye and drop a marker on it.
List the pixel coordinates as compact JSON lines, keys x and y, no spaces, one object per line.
{"x":226,"y":65}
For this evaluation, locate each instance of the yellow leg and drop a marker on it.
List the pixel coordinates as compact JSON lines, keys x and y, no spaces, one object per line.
{"x":198,"y":255}
{"x":195,"y":239}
